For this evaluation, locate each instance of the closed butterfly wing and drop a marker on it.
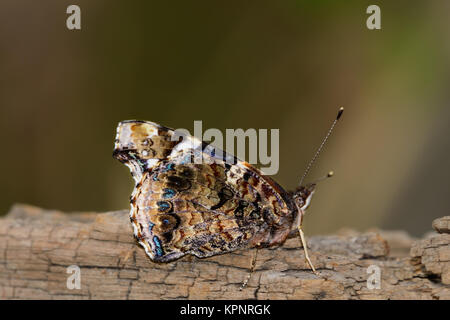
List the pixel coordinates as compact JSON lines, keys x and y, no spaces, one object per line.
{"x":181,"y":207}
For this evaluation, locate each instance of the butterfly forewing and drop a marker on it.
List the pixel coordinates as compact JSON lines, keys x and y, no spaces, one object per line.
{"x":180,"y":207}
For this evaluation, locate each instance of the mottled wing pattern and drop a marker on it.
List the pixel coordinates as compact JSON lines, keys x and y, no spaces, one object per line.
{"x":179,"y":207}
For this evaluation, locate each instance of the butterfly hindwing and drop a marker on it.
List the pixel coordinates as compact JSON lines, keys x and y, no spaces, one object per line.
{"x":180,"y":207}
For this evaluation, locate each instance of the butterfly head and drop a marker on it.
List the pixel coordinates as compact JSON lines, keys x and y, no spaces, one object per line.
{"x":303,"y":195}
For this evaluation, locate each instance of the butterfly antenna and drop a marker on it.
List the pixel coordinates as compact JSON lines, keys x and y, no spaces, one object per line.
{"x":316,"y":155}
{"x":328,"y":175}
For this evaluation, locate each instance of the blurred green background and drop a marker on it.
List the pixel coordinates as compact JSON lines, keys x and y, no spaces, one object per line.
{"x":232,"y":64}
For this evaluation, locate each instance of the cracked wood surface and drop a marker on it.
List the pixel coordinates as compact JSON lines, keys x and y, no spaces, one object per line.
{"x":37,"y":246}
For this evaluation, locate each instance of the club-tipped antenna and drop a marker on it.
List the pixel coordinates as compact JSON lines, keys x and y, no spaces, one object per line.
{"x":316,"y":155}
{"x":328,"y":175}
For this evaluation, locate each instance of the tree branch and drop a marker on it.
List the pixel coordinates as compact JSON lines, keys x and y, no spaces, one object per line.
{"x":37,"y":246}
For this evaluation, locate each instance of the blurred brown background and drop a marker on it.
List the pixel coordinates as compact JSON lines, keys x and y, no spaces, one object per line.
{"x":233,"y":64}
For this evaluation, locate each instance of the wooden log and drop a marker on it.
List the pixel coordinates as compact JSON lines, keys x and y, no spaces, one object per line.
{"x":37,"y":246}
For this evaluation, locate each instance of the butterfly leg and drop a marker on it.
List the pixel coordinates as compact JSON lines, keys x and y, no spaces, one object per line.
{"x":252,"y":269}
{"x":305,"y":248}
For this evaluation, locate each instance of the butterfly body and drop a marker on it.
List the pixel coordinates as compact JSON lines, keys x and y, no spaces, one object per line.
{"x":181,"y":206}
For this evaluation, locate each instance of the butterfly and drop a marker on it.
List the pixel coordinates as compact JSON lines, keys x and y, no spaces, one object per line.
{"x":181,"y":207}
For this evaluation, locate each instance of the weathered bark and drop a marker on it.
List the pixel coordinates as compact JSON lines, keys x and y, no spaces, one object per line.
{"x":37,"y":246}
